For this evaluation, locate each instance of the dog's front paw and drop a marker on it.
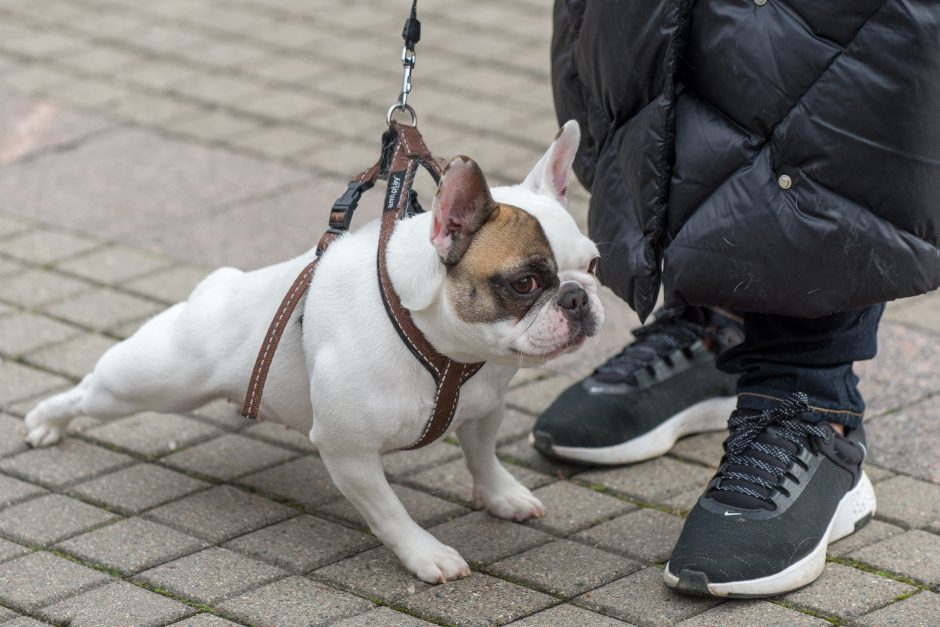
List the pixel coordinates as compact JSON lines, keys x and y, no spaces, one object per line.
{"x":42,"y":435}
{"x":512,"y":502}
{"x":433,"y":562}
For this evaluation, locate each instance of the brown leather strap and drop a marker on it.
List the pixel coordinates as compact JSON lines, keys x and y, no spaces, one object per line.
{"x":259,"y":374}
{"x":408,"y":152}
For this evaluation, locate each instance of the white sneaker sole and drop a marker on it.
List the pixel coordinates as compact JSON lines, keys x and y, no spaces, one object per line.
{"x":710,"y":415}
{"x":856,"y":506}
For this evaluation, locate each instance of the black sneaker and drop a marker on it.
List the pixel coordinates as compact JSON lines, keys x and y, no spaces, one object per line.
{"x":785,"y":490}
{"x":661,"y":387}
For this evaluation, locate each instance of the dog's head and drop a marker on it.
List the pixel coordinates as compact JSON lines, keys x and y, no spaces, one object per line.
{"x":519,"y":286}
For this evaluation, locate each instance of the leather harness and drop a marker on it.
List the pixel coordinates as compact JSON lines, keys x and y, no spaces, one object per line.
{"x":403,"y":152}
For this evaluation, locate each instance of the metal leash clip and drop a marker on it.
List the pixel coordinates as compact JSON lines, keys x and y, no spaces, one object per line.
{"x":411,"y":34}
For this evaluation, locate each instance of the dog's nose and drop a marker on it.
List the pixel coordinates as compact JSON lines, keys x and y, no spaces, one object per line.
{"x":573,"y":300}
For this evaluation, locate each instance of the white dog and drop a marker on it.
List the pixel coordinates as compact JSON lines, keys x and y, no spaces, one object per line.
{"x":502,"y":276}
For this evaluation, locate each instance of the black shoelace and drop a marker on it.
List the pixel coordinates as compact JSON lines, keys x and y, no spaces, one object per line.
{"x":756,"y":461}
{"x":653,"y":342}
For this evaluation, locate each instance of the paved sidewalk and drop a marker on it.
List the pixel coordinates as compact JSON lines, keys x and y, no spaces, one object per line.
{"x":143,"y":143}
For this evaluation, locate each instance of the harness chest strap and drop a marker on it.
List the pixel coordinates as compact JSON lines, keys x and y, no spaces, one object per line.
{"x":408,"y":153}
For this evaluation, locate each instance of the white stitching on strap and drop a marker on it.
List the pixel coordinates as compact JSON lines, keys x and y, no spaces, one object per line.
{"x":287,"y":309}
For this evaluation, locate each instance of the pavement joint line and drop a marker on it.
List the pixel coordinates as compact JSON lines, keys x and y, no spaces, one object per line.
{"x":833,"y":620}
{"x":880,"y":572}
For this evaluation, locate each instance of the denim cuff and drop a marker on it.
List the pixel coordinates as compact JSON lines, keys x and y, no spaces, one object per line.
{"x":763,"y":400}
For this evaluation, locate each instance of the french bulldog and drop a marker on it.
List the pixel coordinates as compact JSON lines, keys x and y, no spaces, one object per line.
{"x":500,"y":275}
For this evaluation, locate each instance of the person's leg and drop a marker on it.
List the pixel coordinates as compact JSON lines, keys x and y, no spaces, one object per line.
{"x":790,"y":482}
{"x":661,"y":386}
{"x":781,"y":356}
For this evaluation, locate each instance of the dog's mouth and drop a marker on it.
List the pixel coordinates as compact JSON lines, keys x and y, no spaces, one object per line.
{"x":570,"y":346}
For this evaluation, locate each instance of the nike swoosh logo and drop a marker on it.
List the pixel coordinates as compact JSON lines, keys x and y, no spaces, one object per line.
{"x":732,"y":513}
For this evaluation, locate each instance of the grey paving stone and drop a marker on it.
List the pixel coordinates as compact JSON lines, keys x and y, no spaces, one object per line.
{"x":847,"y":593}
{"x":68,"y":462}
{"x":568,"y":616}
{"x":752,"y":614}
{"x":44,"y":246}
{"x":24,"y":621}
{"x":877,"y":473}
{"x":10,"y":225}
{"x":902,"y":374}
{"x":6,"y":614}
{"x":223,"y":414}
{"x":920,"y":311}
{"x":277,"y":141}
{"x":24,"y":332}
{"x":572,"y":507}
{"x":115,"y":605}
{"x":102,"y":309}
{"x":906,"y":440}
{"x":564,"y":568}
{"x":204,"y":620}
{"x":131,"y":545}
{"x":304,"y":481}
{"x":251,"y":234}
{"x":228,"y":456}
{"x":152,"y":434}
{"x":19,"y":382}
{"x":375,"y":574}
{"x":452,"y":480}
{"x":211,"y":575}
{"x":874,"y":531}
{"x":382,"y":617}
{"x":220,"y":513}
{"x":647,"y":535}
{"x":535,"y":397}
{"x":520,"y":453}
{"x":294,"y":601}
{"x":515,"y":425}
{"x":912,"y":554}
{"x":137,"y":488}
{"x":920,"y":610}
{"x":477,"y":600}
{"x":652,"y":481}
{"x":214,"y":125}
{"x":38,"y":579}
{"x":303,"y":543}
{"x":47,"y":519}
{"x":113,"y":264}
{"x":423,"y":508}
{"x":482,"y":539}
{"x":8,"y":267}
{"x":643,"y":599}
{"x":280,"y":435}
{"x":33,"y":287}
{"x":170,"y":286}
{"x":907,"y":501}
{"x":13,"y":491}
{"x":9,"y":550}
{"x":73,"y":358}
{"x":12,"y":432}
{"x":406,"y":463}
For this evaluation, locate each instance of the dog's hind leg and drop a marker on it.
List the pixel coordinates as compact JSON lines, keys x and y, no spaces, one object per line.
{"x":155,"y":369}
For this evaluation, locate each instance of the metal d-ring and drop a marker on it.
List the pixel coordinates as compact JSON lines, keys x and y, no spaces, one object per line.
{"x":402,"y":107}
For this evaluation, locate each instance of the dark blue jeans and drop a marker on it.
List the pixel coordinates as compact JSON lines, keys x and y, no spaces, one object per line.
{"x":780,"y":356}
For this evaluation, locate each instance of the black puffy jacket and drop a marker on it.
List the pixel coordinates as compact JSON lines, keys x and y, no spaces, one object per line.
{"x":778,"y":156}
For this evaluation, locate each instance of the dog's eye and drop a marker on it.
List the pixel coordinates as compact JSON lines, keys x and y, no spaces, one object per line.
{"x":525,"y":285}
{"x":592,"y":267}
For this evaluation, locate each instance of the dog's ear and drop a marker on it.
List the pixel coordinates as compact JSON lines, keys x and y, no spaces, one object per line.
{"x":461,"y":206}
{"x":551,"y":174}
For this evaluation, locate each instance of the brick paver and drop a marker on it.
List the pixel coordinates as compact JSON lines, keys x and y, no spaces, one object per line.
{"x":144,"y":144}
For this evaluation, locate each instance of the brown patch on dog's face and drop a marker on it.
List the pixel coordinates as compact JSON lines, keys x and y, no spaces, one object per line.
{"x":508,"y":268}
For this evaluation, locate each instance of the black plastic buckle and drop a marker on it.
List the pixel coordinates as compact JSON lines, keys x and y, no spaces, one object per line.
{"x":346,"y":204}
